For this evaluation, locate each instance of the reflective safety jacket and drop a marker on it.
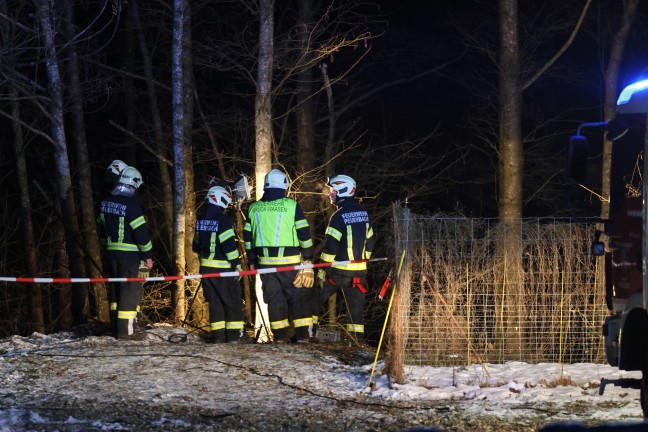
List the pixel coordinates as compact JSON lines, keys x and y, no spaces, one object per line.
{"x":277,"y":232}
{"x":121,"y":224}
{"x":215,"y":240}
{"x":349,"y":236}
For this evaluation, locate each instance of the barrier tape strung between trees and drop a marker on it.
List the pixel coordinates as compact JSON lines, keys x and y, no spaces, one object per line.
{"x":192,"y":276}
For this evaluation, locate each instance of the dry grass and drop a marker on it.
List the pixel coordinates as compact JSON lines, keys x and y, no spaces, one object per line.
{"x":465,"y":299}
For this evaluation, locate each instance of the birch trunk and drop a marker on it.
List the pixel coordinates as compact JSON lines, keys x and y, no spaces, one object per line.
{"x":263,"y":127}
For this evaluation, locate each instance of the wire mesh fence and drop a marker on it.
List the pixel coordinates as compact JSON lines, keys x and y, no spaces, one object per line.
{"x":480,"y":290}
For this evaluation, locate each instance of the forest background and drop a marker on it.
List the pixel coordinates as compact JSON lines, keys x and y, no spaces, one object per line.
{"x":455,"y":107}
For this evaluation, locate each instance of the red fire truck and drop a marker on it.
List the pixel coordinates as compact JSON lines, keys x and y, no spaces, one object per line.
{"x":623,"y":239}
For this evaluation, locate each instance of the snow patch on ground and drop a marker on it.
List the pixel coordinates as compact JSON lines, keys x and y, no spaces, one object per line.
{"x":174,"y":381}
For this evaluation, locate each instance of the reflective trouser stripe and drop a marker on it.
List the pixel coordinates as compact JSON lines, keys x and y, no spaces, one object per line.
{"x":218,"y":325}
{"x":356,"y":328}
{"x":277,"y":325}
{"x":234,"y":325}
{"x":126,"y":314}
{"x":303,"y":322}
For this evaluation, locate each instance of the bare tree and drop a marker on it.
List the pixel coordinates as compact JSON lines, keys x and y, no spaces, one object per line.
{"x":178,"y":79}
{"x":263,"y":122}
{"x":87,"y":214}
{"x":62,"y":164}
{"x":617,"y":49}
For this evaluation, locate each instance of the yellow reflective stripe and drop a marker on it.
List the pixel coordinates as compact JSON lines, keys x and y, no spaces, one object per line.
{"x":232,"y":255}
{"x":212,"y":245}
{"x":222,"y":264}
{"x":351,"y":266}
{"x":350,"y":243}
{"x":368,"y":254}
{"x":126,"y":314}
{"x":217,"y":325}
{"x":315,"y":319}
{"x":113,"y":306}
{"x":296,"y":259}
{"x":303,"y":322}
{"x":357,"y":328}
{"x":120,"y":230}
{"x":226,"y":235}
{"x":278,"y":325}
{"x":337,"y":235}
{"x":147,"y":247}
{"x":248,"y":226}
{"x":306,"y":244}
{"x":138,"y":222}
{"x":248,"y":245}
{"x":234,"y":325}
{"x":128,"y":247}
{"x":303,"y":223}
{"x":369,"y":231}
{"x":326,"y":257}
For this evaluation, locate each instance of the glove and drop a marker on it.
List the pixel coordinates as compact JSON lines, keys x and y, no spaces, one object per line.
{"x":305,"y":277}
{"x":143,"y":271}
{"x":321,"y":277}
{"x":238,"y":269}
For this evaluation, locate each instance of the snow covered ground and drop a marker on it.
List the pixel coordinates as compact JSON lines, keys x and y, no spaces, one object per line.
{"x":174,"y":382}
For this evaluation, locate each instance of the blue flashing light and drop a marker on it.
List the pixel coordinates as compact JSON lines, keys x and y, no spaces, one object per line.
{"x":627,"y":92}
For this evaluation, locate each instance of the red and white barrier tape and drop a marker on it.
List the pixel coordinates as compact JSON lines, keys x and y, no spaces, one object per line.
{"x":192,"y":276}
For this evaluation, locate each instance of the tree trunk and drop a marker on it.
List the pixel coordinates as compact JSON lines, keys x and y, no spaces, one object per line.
{"x":263,"y":126}
{"x":609,"y":103}
{"x":35,"y":291}
{"x":180,"y":154}
{"x":510,"y":176}
{"x":304,"y":114}
{"x":199,"y":309}
{"x":90,"y":239}
{"x":158,"y":133}
{"x":65,"y":195}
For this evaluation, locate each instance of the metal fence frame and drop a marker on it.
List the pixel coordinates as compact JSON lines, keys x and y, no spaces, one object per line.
{"x":465,"y":295}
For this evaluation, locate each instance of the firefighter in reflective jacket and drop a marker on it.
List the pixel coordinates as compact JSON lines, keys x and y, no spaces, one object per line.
{"x":122,"y":228}
{"x":277,"y":234}
{"x":349,"y":236}
{"x":215,"y":243}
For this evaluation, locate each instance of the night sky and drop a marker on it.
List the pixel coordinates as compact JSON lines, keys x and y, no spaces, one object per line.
{"x":459,"y":102}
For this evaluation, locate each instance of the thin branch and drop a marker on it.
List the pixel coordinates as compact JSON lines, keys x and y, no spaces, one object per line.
{"x":141,"y":141}
{"x":562,"y":49}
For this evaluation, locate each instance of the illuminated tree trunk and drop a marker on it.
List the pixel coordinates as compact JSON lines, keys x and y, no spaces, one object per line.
{"x":510,"y":179}
{"x":180,"y":155}
{"x":263,"y":126}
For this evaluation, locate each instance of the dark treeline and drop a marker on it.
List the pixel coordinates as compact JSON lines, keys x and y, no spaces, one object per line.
{"x":400,"y":96}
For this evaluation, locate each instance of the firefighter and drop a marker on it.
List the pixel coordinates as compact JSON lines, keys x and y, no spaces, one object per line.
{"x":277,"y":234}
{"x":122,"y":228}
{"x":349,"y":236}
{"x":215,"y":243}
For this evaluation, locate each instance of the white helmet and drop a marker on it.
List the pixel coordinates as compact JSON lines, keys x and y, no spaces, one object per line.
{"x":344,"y":185}
{"x":131,"y":176}
{"x":116,"y":167}
{"x":219,"y":196}
{"x":276,"y":179}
